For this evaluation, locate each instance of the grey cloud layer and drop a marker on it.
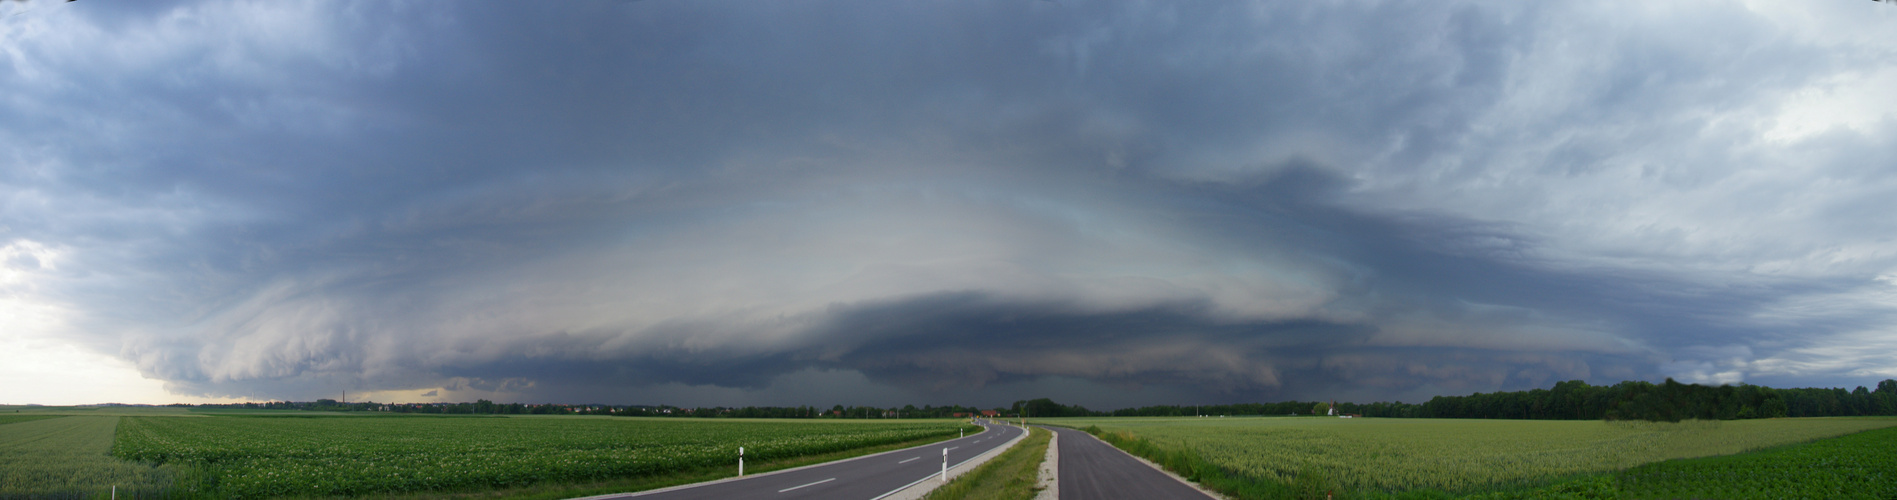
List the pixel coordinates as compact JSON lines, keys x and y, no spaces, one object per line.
{"x":1229,"y":201}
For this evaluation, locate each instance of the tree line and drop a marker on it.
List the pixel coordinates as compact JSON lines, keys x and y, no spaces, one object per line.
{"x":1669,"y":401}
{"x":485,"y":407}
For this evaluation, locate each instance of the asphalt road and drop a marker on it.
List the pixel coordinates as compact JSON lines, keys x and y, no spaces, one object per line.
{"x":863,"y":478}
{"x":1091,"y":469}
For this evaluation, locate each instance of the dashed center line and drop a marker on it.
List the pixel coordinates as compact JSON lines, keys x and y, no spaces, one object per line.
{"x":910,"y":460}
{"x":807,"y":485}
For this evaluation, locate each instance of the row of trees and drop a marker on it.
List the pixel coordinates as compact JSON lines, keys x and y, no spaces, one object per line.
{"x":1047,"y":408}
{"x":1571,"y":400}
{"x":1669,"y":401}
{"x":477,"y":407}
{"x":1279,"y":408}
{"x":1634,"y":400}
{"x":485,"y":407}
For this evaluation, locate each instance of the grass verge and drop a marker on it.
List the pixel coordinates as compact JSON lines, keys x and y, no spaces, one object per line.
{"x":1011,"y":476}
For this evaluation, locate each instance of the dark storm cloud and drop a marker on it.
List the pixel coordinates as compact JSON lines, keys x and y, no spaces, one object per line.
{"x":715,"y":201}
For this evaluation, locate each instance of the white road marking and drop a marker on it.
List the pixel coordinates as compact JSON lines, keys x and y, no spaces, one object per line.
{"x":958,"y":465}
{"x":910,"y":460}
{"x":952,"y":448}
{"x":926,"y":478}
{"x":807,"y":485}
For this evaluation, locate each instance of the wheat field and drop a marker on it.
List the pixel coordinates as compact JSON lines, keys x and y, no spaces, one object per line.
{"x":1453,"y":454}
{"x":70,"y":456}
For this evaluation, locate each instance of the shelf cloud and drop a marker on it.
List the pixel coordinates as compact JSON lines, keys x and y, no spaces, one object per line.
{"x":829,"y":201}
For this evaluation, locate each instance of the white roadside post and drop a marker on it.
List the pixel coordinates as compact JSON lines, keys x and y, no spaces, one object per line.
{"x":740,"y":461}
{"x":945,"y":465}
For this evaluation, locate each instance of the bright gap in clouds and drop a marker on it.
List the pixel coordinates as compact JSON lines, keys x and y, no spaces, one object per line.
{"x":37,"y":366}
{"x":39,"y":361}
{"x":50,"y":372}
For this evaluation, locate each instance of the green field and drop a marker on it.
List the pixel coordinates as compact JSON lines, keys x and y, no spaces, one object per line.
{"x":85,"y":452}
{"x":56,"y":456}
{"x":253,"y":457}
{"x":1862,"y":465}
{"x":11,"y":418}
{"x":95,"y":410}
{"x":1466,"y":456}
{"x":306,"y":454}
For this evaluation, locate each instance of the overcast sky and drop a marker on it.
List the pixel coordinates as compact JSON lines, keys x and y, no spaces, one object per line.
{"x":786,"y":202}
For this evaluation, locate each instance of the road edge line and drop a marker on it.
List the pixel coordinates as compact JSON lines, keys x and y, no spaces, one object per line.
{"x":922,"y":487}
{"x":669,"y":489}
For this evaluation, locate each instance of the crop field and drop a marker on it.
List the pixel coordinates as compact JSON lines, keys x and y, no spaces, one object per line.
{"x":52,"y":456}
{"x":8,"y":419}
{"x":94,"y":410}
{"x":1856,"y":466}
{"x":236,"y":456}
{"x":1390,"y":455}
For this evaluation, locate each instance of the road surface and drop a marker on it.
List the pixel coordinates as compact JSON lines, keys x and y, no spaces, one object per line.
{"x":1091,"y":469}
{"x":862,"y":478}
